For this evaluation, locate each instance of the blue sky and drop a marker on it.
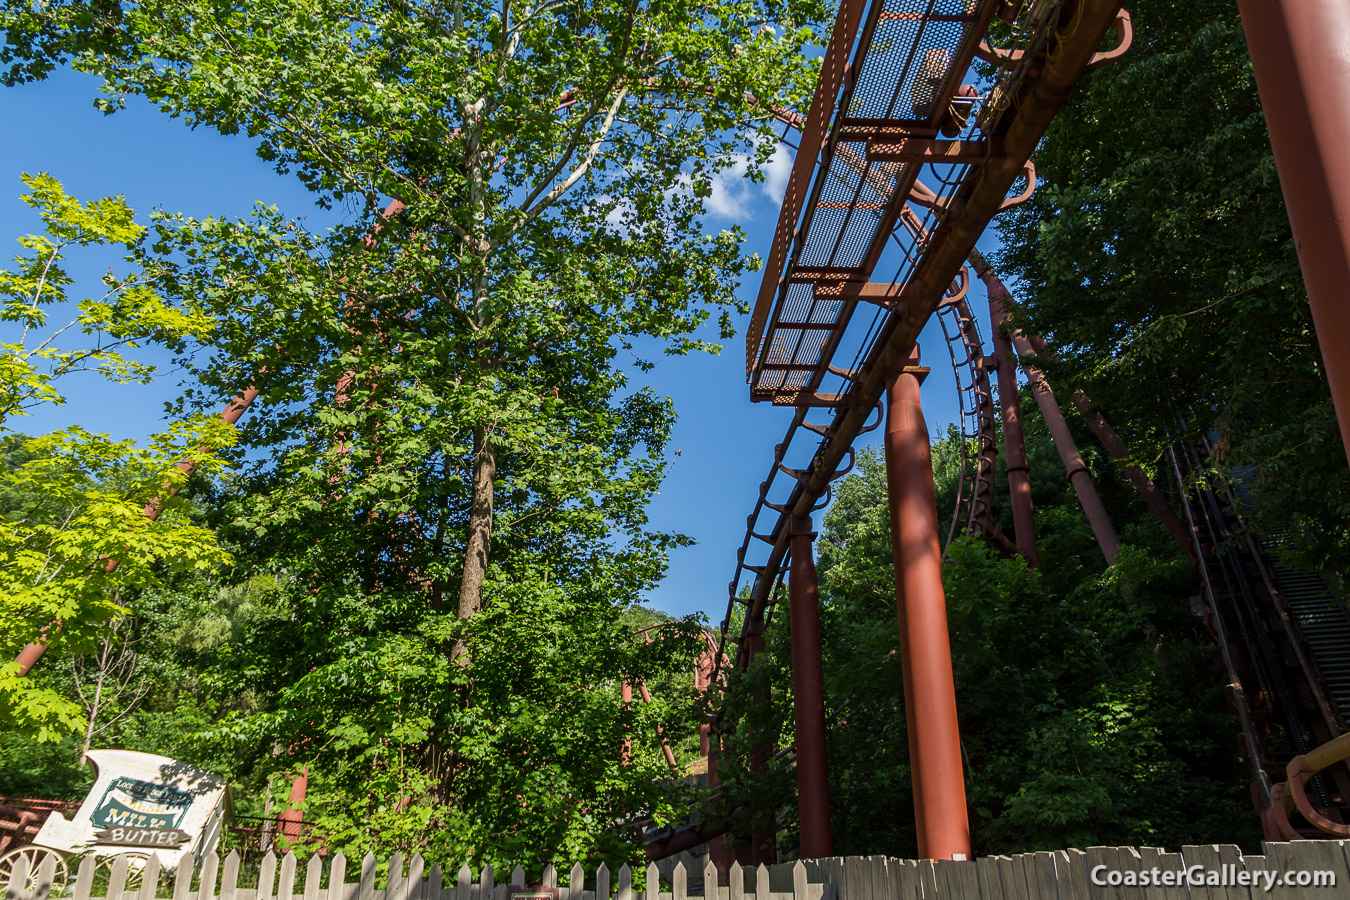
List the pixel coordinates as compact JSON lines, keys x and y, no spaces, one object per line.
{"x":725,"y":442}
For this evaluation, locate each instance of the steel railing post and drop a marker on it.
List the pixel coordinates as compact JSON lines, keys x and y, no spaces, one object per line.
{"x":1300,"y":51}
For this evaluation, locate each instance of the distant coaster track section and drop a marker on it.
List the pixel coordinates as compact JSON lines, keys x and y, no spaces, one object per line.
{"x":979,"y":440}
{"x":901,"y":167}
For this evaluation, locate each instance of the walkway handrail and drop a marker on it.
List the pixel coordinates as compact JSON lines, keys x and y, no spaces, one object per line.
{"x":1293,"y":793}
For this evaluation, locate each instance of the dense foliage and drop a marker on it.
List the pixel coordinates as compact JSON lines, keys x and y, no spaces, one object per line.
{"x":438,"y":524}
{"x":1091,"y":703}
{"x":1156,"y":258}
{"x":76,"y":541}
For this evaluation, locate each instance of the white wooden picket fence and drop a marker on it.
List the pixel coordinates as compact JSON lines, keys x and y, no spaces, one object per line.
{"x":1069,"y":874}
{"x":1059,"y":875}
{"x":133,"y":879}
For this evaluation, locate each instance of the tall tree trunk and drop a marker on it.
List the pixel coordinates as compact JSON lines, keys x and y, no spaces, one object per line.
{"x":478,"y":548}
{"x":479,"y":545}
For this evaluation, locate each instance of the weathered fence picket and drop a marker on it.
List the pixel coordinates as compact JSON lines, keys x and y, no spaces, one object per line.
{"x":135,"y":878}
{"x":1061,"y":875}
{"x":1069,"y":874}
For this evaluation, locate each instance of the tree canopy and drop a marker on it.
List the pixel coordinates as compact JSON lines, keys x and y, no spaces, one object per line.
{"x":76,"y":539}
{"x":444,"y":479}
{"x":1159,"y":264}
{"x":415,"y":575}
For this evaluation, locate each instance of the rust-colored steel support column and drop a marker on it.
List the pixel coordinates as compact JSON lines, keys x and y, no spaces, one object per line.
{"x":925,"y":648}
{"x":290,"y":819}
{"x":763,"y":837}
{"x":1077,"y":470}
{"x":1142,"y":483}
{"x":1014,"y":443}
{"x":626,"y":697}
{"x":720,"y":850}
{"x":808,"y":697}
{"x":998,"y":314}
{"x":710,"y":747}
{"x":1015,"y":449}
{"x":1300,"y":52}
{"x":29,"y":656}
{"x":1079,"y":476}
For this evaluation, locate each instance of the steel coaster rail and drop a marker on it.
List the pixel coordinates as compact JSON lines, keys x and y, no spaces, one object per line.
{"x":976,"y":418}
{"x":972,"y":352}
{"x":1292,"y":793}
{"x":971,"y":190}
{"x":1251,"y":615}
{"x":959,"y":213}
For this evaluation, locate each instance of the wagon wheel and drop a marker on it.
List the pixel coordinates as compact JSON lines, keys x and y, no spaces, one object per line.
{"x":135,"y":872}
{"x":36,"y":856}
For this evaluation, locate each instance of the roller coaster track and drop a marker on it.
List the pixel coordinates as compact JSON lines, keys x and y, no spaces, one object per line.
{"x":890,"y":84}
{"x":1283,"y":642}
{"x":979,"y":441}
{"x":900,"y":168}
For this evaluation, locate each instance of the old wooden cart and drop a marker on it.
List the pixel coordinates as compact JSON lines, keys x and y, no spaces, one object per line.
{"x":140,"y":804}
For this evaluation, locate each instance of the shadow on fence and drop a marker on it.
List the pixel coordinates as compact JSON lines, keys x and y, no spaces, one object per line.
{"x":1300,"y":870}
{"x":1099,"y":873}
{"x":130,"y":878}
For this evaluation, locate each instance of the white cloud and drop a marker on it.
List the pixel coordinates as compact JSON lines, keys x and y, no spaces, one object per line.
{"x":615,"y":218}
{"x":731,"y":192}
{"x":776,"y":173}
{"x":734,"y":196}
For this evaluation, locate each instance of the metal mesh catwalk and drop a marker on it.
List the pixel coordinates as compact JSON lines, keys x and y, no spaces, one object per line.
{"x":879,"y":131}
{"x":911,"y":167}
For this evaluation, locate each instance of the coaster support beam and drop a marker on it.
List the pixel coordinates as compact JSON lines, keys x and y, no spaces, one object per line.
{"x":925,"y":647}
{"x":1300,"y":52}
{"x":808,"y":697}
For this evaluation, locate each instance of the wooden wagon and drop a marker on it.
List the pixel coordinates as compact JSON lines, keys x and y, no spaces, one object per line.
{"x":140,"y":804}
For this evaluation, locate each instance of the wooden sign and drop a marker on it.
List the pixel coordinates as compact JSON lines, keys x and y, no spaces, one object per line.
{"x":130,"y":803}
{"x":141,"y":837}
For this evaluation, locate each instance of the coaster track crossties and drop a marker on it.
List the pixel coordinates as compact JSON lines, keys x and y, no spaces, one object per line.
{"x":912,"y":166}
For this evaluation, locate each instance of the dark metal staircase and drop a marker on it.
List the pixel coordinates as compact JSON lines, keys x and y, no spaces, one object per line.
{"x":1325,"y":628}
{"x":1285,"y":640}
{"x":1320,"y":626}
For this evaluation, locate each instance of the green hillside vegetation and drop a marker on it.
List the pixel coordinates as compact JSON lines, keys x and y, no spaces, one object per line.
{"x":415,"y":570}
{"x":1091,"y":701}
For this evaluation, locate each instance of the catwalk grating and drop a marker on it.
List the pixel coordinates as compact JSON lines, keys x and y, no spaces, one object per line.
{"x":910,"y":58}
{"x":901,"y":166}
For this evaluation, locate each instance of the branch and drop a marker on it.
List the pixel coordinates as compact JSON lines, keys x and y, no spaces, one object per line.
{"x":534,"y":209}
{"x":132,"y":282}
{"x":42,"y":281}
{"x":1233,"y":296}
{"x":534,"y":14}
{"x":577,"y":173}
{"x":564,"y":158}
{"x":143,"y":688}
{"x":77,"y":669}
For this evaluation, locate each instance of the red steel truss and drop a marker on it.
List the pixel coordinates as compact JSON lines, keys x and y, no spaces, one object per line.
{"x":912,"y":166}
{"x":901,"y":167}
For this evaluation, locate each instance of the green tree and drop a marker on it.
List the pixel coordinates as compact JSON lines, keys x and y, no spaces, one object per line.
{"x":1088,"y":715}
{"x":76,"y":539}
{"x":1159,"y":264}
{"x":453,"y":463}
